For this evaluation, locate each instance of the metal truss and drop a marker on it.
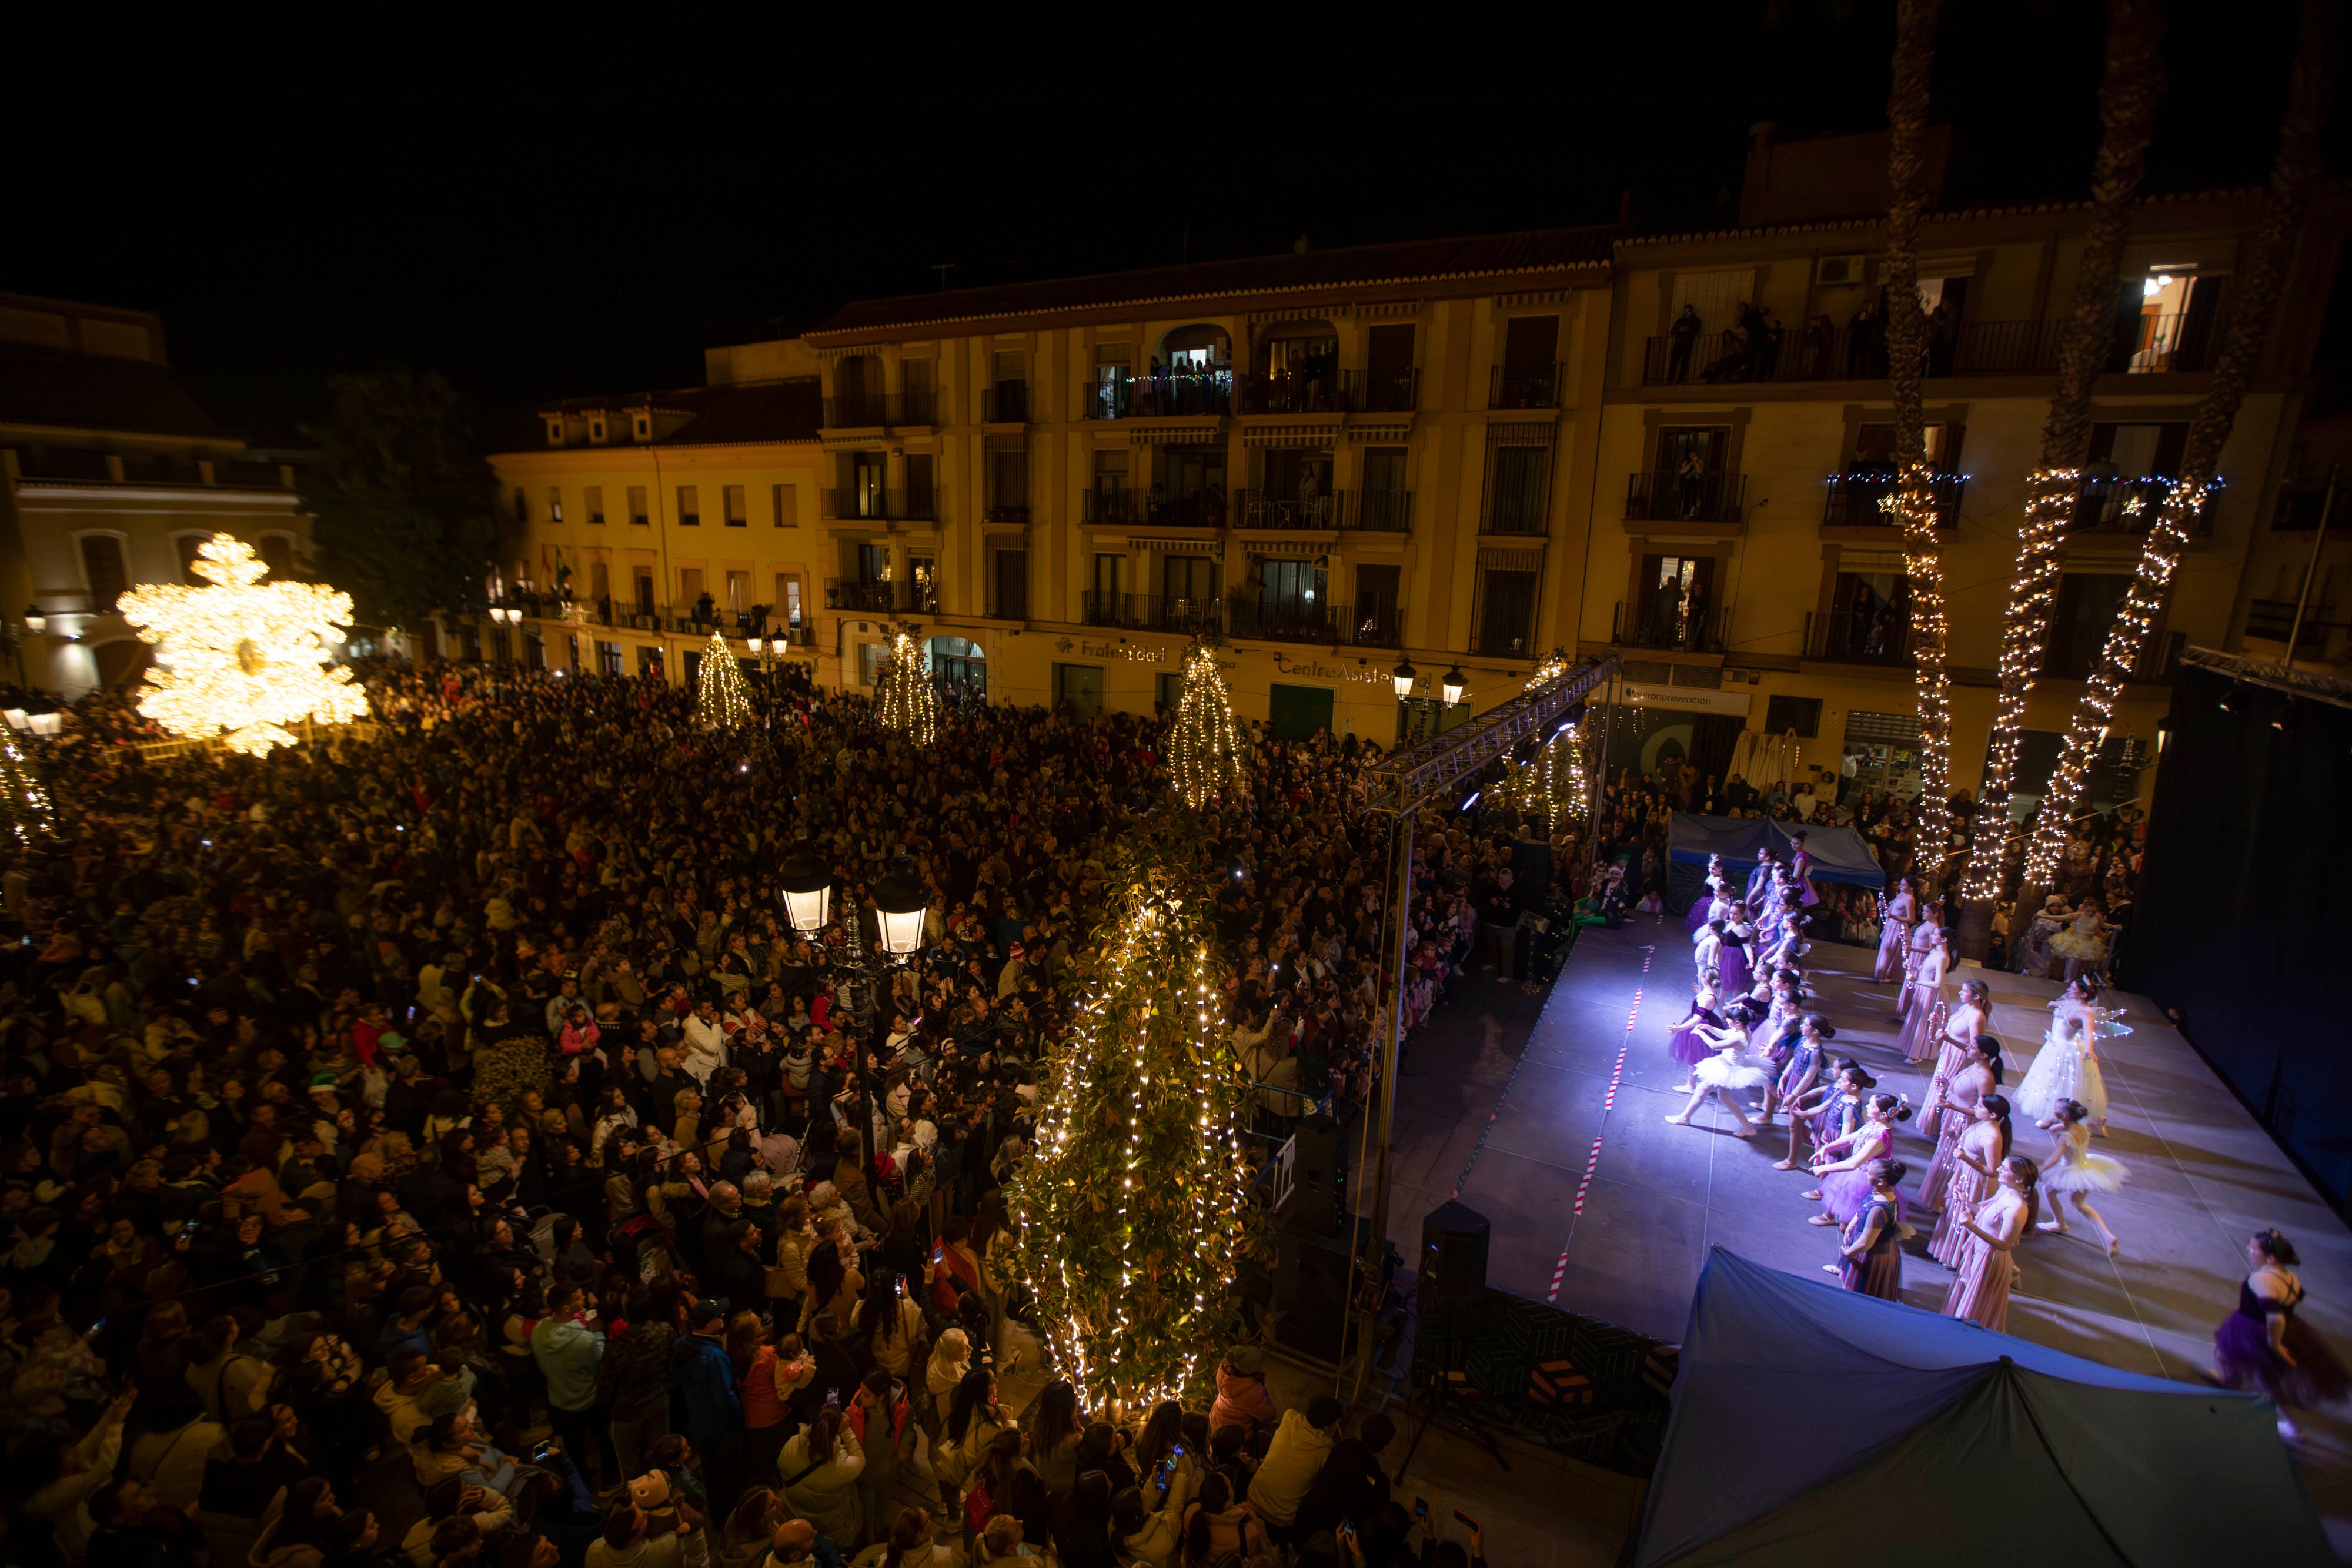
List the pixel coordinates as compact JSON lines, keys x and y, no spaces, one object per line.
{"x":1402,"y":782}
{"x":2269,"y":673}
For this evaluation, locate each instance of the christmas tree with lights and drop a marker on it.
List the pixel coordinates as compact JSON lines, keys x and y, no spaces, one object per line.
{"x":23,"y":800}
{"x":1130,"y":1215}
{"x":904,"y":698}
{"x":1205,"y":750}
{"x":722,"y":698}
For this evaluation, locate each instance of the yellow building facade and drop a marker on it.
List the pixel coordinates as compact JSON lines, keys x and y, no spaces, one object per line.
{"x":1454,"y":455}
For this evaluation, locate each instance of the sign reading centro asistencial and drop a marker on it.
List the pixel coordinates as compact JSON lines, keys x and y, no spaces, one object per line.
{"x":1683,"y":699}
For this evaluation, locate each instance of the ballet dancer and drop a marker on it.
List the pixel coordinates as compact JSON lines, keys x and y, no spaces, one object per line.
{"x":1731,"y":1072}
{"x":1964,"y":1022}
{"x":1800,"y":872}
{"x":2072,"y":1170}
{"x":1975,"y":1164}
{"x":1979,"y":1078}
{"x":1845,"y":1183}
{"x":1894,"y":930}
{"x":2263,"y":1345}
{"x":1686,"y":1045}
{"x":1922,"y":998}
{"x":1799,"y":1056}
{"x":1988,"y":1267}
{"x":1831,"y":1112}
{"x":1870,"y":1256}
{"x":2066,"y":1069}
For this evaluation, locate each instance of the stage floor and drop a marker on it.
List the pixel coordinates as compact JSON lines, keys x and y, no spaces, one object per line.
{"x":1552,"y":1126}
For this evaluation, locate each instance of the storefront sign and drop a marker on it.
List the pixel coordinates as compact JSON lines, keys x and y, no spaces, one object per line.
{"x":1285,"y":665}
{"x":1684,"y":699}
{"x":1133,"y":652}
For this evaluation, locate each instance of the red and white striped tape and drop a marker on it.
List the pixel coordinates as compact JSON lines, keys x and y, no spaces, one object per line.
{"x":1607,"y":1103}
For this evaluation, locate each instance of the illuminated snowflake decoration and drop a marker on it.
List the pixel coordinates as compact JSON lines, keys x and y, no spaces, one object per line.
{"x":242,"y":659}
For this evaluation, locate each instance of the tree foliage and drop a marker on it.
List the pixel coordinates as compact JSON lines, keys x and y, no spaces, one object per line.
{"x":405,"y":509}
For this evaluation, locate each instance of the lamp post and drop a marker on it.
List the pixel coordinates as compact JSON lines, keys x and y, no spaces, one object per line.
{"x":901,"y":905}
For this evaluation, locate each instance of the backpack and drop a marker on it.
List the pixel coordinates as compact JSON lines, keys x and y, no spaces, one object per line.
{"x":978,"y":1508}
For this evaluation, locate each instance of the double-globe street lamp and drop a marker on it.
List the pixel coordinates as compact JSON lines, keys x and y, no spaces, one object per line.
{"x":901,"y":905}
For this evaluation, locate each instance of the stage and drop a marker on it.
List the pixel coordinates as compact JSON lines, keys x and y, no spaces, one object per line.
{"x":1552,"y":1124}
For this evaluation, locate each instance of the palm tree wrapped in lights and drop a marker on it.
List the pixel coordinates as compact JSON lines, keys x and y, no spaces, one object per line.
{"x":1131,"y":1215}
{"x":1204,"y":748}
{"x":906,"y":702}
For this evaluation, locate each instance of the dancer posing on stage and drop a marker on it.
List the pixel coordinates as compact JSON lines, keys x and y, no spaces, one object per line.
{"x":1922,"y":997}
{"x":1702,"y":908}
{"x":1963,"y":1023}
{"x":1979,"y":1079}
{"x":1988,"y":1265}
{"x":2264,"y":1346}
{"x":1800,"y":873}
{"x":1894,"y":930}
{"x":1975,"y":1164}
{"x":1728,"y":1074}
{"x":1799,"y":1056}
{"x":1845,"y":1183}
{"x":1686,"y":1045}
{"x":1870,"y":1256}
{"x":2072,"y":1170}
{"x":2066,"y":1069}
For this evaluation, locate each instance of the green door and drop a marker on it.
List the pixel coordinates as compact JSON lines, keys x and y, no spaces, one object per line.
{"x":1081,"y":686}
{"x":1295,"y":713}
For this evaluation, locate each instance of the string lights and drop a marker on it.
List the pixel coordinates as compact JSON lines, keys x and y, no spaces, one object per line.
{"x":241,"y":659}
{"x":1552,"y":785}
{"x":906,"y":701}
{"x":2050,"y":500}
{"x":24,"y":800}
{"x":1203,"y":745}
{"x":722,"y":700}
{"x":1130,"y":1214}
{"x":1915,"y":510}
{"x":2127,"y":639}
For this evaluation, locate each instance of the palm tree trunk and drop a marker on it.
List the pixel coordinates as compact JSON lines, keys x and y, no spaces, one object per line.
{"x":2293,"y":173}
{"x":2129,"y":96}
{"x":1907,"y":345}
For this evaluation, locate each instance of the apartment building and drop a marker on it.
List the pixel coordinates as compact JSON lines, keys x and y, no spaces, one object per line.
{"x":1456,"y":455}
{"x":113,"y":475}
{"x":1340,"y":460}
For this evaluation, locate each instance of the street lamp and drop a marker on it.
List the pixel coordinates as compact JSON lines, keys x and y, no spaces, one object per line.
{"x":806,"y":889}
{"x":14,"y":715}
{"x":1404,"y":674}
{"x":900,"y":904}
{"x":1454,"y":682}
{"x":35,"y":622}
{"x":44,"y":720}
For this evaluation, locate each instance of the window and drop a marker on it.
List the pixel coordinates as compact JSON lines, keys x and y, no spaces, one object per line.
{"x":788,"y":596}
{"x":554,"y":504}
{"x":277,"y":552}
{"x":522,"y":504}
{"x":600,"y":582}
{"x":1008,"y":396}
{"x":731,"y":498}
{"x":102,"y":568}
{"x":923,"y":581}
{"x":872,"y":563}
{"x":869,"y":662}
{"x":1869,"y":621}
{"x":920,"y":499}
{"x":689,"y":585}
{"x":1387,"y":368}
{"x":1528,"y":376}
{"x":1080,"y":686}
{"x":866,"y":473}
{"x":608,"y":659}
{"x":1515,"y":477}
{"x":916,"y":404}
{"x":1008,"y":584}
{"x":1190,"y":582}
{"x":1677,"y":596}
{"x":637,"y":514}
{"x":595,"y":505}
{"x":1110,"y":585}
{"x":1507,"y":605}
{"x":2087,"y":604}
{"x":649,"y":661}
{"x":784,"y":506}
{"x":1802,"y":714}
{"x":739,"y":591}
{"x":641,"y":579}
{"x":689,"y":508}
{"x":1874,"y":449}
{"x":188,"y":544}
{"x":1008,"y":476}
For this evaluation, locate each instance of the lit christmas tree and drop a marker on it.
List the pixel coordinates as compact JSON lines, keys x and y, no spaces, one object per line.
{"x":1129,"y":1216}
{"x":906,"y":701}
{"x":723,"y":701}
{"x":24,"y":800}
{"x":242,"y":659}
{"x":1204,"y":750}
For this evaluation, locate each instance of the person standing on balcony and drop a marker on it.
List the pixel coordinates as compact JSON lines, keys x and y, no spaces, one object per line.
{"x":1681,"y":338}
{"x":1690,"y":479}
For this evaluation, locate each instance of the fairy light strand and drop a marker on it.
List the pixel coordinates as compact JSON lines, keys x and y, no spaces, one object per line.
{"x":2050,"y":496}
{"x":1915,"y":509}
{"x":906,"y":702}
{"x":241,"y":659}
{"x":721,"y":699}
{"x":1203,"y":743}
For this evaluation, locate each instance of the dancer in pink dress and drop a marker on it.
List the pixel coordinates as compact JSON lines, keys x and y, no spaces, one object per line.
{"x":1800,"y":872}
{"x":1895,"y":931}
{"x":1979,"y":1078}
{"x":1986,"y":1269}
{"x":1922,"y":995}
{"x":1963,"y":1023}
{"x":1846,"y":1182}
{"x":1976,"y":1160}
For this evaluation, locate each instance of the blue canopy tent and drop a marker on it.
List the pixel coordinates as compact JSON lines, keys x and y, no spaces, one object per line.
{"x":1839,"y":854}
{"x":1809,"y":1421}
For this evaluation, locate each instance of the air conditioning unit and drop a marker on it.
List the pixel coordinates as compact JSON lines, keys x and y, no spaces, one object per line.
{"x":1831,"y":271}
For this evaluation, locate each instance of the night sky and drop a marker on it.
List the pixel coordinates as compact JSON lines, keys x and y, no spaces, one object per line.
{"x":582,"y":205}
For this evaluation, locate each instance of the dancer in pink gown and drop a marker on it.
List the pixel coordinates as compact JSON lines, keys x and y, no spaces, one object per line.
{"x":1979,"y":1078}
{"x":1986,"y":1269}
{"x":1800,"y":872}
{"x":1976,"y":1161}
{"x":1922,"y":995}
{"x":1846,"y":1182}
{"x":1963,"y":1023}
{"x":1895,"y":931}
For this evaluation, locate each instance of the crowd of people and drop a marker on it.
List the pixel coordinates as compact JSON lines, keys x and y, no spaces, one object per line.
{"x":435,"y":1144}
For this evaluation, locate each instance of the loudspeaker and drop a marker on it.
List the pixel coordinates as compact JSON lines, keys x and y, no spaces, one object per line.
{"x":1314,"y":1201}
{"x":1312,"y":1276}
{"x":1452,"y":1257}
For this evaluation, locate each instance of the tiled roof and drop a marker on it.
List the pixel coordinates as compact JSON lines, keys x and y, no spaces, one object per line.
{"x":777,"y":410}
{"x":94,"y":391}
{"x":1413,"y":261}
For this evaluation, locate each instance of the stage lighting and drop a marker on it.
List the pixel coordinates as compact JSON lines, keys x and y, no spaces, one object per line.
{"x":2230,"y":695}
{"x":1474,"y":798}
{"x":2283,"y":721}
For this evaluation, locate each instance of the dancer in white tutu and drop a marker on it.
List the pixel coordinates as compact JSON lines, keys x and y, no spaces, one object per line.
{"x":1731,"y":1073}
{"x":2073,"y":1171}
{"x":2066,"y":1068}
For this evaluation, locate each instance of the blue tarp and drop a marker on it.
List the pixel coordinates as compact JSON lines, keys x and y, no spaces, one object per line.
{"x":1812,"y":1424}
{"x":1839,"y":854}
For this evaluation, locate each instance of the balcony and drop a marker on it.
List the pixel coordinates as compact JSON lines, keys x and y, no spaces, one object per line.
{"x":1282,"y":392}
{"x":1285,"y":621}
{"x":2130,"y":507}
{"x":1006,"y":403}
{"x":866,"y":506}
{"x":1703,"y":631}
{"x":1684,"y":497}
{"x":1145,"y":509}
{"x":2142,"y":344}
{"x":1008,"y":602}
{"x":1009,"y":517}
{"x":1376,"y":620}
{"x":1864,"y":500}
{"x":869,"y":596}
{"x":1377,"y":511}
{"x":1389,"y":392}
{"x":1260,"y":509}
{"x":1116,"y":394}
{"x":1524,"y":388}
{"x":868,"y":410}
{"x":2320,"y":638}
{"x":1883,"y":639}
{"x":1153,"y":613}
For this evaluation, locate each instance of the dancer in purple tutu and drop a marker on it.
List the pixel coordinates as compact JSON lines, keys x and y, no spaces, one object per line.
{"x":1687,"y":1045}
{"x":2264,"y":1346}
{"x":1847,"y":1181}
